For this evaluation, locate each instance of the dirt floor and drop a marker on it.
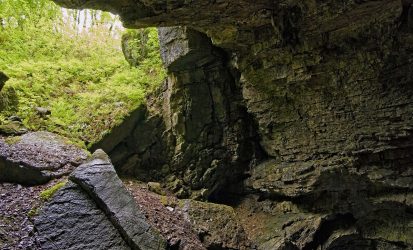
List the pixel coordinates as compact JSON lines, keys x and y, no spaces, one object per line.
{"x":164,"y":214}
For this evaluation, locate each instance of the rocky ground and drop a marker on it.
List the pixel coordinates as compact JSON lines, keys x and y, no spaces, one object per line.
{"x":94,"y":200}
{"x":39,"y":158}
{"x":162,"y":214}
{"x":18,"y":205}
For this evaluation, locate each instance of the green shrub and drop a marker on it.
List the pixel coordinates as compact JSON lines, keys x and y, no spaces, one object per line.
{"x":83,"y":78}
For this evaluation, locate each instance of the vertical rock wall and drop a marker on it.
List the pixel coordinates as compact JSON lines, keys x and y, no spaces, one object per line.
{"x":196,"y":133}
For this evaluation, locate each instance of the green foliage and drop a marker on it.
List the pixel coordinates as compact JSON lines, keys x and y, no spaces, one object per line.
{"x":46,"y":194}
{"x":12,"y":140}
{"x":137,"y":45}
{"x":8,"y":100}
{"x":82,"y":77}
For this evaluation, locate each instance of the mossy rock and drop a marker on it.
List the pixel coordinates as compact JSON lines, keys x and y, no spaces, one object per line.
{"x":8,"y":99}
{"x":217,"y":225}
{"x":12,"y":128}
{"x":46,"y":194}
{"x":3,"y":80}
{"x":12,"y":140}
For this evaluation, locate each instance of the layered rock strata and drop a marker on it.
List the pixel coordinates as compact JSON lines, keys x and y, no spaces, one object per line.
{"x":328,"y":85}
{"x":195,"y":133}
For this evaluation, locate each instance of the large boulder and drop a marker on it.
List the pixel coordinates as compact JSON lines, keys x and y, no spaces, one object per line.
{"x":99,"y":180}
{"x":36,"y":158}
{"x":73,"y":221}
{"x":217,"y":225}
{"x":99,"y":213}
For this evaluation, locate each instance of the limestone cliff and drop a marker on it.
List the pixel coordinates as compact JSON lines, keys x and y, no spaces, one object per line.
{"x":302,"y":109}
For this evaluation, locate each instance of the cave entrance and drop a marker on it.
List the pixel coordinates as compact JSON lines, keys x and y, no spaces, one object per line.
{"x":67,"y":69}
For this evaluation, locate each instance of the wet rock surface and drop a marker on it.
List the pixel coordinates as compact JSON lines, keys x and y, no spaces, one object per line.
{"x":73,"y":221}
{"x":36,"y":158}
{"x":99,"y":180}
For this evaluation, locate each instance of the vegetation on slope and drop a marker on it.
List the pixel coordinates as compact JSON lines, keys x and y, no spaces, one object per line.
{"x":71,"y":63}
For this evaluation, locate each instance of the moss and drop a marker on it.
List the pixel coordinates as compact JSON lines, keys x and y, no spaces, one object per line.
{"x":12,"y":128}
{"x":82,"y":78}
{"x":12,"y":140}
{"x":46,"y":194}
{"x":77,"y":143}
{"x":164,"y":200}
{"x":168,"y":201}
{"x":33,"y":212}
{"x":8,"y":100}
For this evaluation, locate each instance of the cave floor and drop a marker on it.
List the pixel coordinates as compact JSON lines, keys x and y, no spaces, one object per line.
{"x":163,"y":213}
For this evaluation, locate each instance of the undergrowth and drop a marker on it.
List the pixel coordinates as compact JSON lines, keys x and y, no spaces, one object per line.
{"x":82,"y":78}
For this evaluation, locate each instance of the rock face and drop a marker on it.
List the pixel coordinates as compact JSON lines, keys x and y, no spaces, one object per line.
{"x":324,"y":87}
{"x":196,"y":133}
{"x":95,"y":211}
{"x":36,"y":158}
{"x":3,"y":80}
{"x":99,"y":179}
